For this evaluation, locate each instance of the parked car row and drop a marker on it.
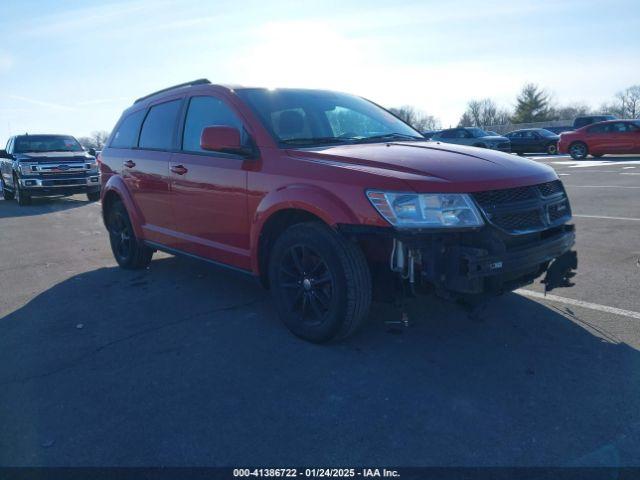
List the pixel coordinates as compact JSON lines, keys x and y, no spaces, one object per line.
{"x":596,"y":135}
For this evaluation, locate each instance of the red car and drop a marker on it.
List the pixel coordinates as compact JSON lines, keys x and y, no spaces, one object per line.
{"x":598,"y":139}
{"x":327,"y":199}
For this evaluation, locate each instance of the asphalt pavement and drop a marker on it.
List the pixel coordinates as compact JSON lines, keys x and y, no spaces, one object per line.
{"x":187,"y":364}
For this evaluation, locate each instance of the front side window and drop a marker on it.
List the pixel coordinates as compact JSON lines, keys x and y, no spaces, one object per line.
{"x":309,"y":117}
{"x":157,"y":129}
{"x":207,"y":112}
{"x":597,"y":129}
{"x":46,"y":143}
{"x":126,"y":136}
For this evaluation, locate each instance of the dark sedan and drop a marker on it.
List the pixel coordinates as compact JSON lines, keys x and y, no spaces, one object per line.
{"x":533,"y":140}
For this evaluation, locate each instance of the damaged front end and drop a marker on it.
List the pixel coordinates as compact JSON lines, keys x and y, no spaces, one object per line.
{"x":525,"y":235}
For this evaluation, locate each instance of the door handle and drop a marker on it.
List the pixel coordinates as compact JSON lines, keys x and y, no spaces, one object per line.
{"x":179,"y":169}
{"x":129,"y":164}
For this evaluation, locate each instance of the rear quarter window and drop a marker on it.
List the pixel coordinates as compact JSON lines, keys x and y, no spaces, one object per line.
{"x":126,"y":136}
{"x":159,"y":125}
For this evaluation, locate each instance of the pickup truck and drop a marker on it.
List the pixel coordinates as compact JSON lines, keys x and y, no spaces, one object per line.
{"x":327,"y":199}
{"x":46,"y":165}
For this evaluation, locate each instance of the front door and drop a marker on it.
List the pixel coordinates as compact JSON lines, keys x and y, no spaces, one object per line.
{"x":209,"y":189}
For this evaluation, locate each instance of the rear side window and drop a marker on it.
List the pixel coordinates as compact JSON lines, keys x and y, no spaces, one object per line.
{"x":157,"y":129}
{"x":207,"y":112}
{"x":127,"y":134}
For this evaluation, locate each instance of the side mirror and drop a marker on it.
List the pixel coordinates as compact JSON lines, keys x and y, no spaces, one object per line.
{"x":92,"y":152}
{"x":222,"y":139}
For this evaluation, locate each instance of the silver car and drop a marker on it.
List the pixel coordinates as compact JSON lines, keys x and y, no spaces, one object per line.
{"x":474,"y":137}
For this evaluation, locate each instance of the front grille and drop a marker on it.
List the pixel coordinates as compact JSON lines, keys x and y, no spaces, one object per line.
{"x":70,"y":181}
{"x":551,"y":188}
{"x":525,"y":209}
{"x":529,"y":220}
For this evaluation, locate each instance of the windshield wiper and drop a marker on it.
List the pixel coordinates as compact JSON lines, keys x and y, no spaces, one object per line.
{"x":387,"y":136}
{"x":312,"y":140}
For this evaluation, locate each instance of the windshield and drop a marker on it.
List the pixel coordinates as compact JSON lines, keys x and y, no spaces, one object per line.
{"x":47,"y":143}
{"x":478,"y":132}
{"x":314,"y":117}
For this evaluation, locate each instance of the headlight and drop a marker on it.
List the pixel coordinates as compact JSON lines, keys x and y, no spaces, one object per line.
{"x":92,"y":165}
{"x":26,"y":169}
{"x":426,"y":210}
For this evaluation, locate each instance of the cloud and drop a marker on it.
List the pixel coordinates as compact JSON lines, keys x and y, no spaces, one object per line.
{"x":40,"y":103}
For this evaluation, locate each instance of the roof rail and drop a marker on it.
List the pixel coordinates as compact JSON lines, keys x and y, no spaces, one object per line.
{"x":200,"y":81}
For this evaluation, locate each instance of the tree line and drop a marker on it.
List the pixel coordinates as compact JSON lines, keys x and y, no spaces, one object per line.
{"x":533,"y":104}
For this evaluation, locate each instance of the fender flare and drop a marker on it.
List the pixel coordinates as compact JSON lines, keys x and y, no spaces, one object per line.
{"x":116,"y":185}
{"x":309,"y":198}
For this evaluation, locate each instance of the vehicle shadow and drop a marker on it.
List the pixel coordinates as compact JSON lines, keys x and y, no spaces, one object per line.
{"x":40,"y":206}
{"x":186,"y":364}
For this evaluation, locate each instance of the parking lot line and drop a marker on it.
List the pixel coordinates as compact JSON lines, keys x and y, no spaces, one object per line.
{"x":608,"y":218}
{"x":579,"y":303}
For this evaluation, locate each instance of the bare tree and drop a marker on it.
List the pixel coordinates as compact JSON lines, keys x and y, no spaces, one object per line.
{"x":96,"y":140}
{"x":416,"y":118}
{"x":628,"y":102}
{"x":570,"y":111}
{"x":481,"y":113}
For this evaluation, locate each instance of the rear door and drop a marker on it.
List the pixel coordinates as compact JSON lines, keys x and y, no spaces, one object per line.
{"x":623,"y":137}
{"x":146,"y":170}
{"x":209,"y":196}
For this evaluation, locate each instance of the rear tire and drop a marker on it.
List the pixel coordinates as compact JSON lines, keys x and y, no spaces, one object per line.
{"x":8,"y":195}
{"x":578,"y":150}
{"x":93,"y":196}
{"x":320,"y":282}
{"x":129,"y":251}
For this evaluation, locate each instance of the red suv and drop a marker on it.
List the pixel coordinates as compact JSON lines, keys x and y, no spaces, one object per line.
{"x":598,"y":139}
{"x":326,"y":198}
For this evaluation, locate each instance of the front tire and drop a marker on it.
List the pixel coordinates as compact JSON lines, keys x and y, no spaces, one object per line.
{"x":578,"y":150}
{"x":552,"y":149}
{"x":22,"y":197}
{"x":129,"y":251}
{"x":320,"y":282}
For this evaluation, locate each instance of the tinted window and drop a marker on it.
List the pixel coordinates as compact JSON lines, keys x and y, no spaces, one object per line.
{"x":448,"y":134}
{"x":206,"y":112}
{"x":620,"y":127}
{"x":157,"y":129}
{"x":127,"y":134}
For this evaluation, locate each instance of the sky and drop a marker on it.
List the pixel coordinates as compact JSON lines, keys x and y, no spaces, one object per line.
{"x":71,"y":67}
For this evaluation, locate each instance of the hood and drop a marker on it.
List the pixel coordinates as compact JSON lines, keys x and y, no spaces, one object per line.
{"x":47,"y":157}
{"x":433,"y":166}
